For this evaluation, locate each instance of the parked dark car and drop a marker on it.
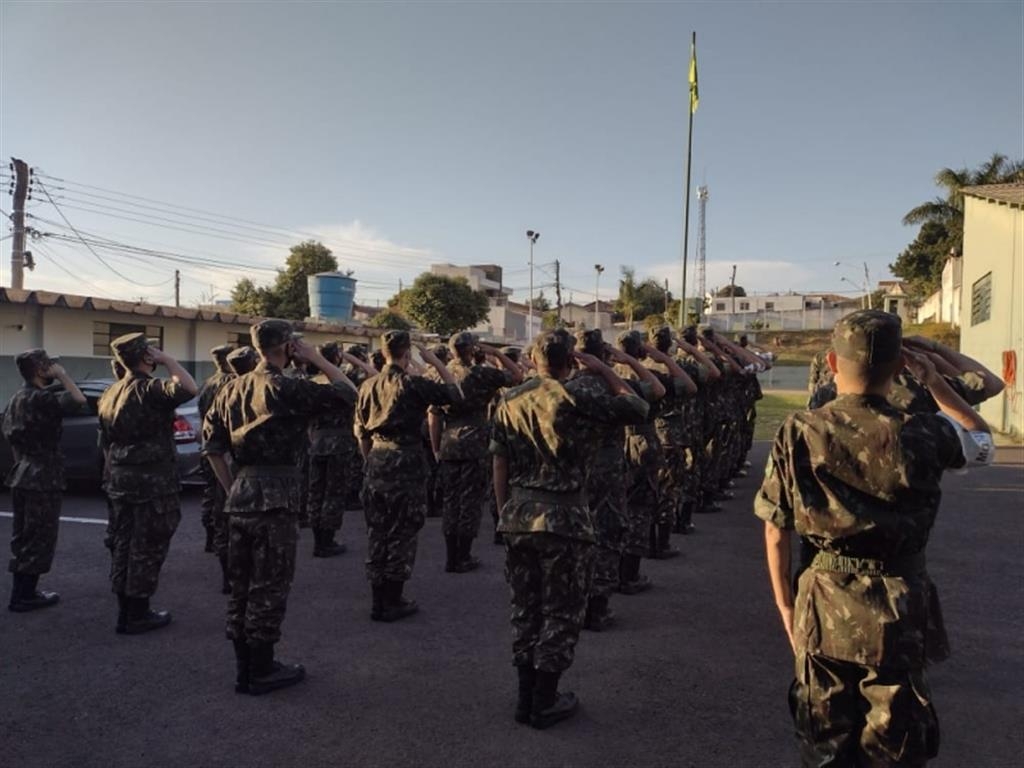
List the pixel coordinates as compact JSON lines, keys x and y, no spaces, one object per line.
{"x":83,"y":461}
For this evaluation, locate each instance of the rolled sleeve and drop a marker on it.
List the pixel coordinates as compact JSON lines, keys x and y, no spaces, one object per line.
{"x":772,"y":503}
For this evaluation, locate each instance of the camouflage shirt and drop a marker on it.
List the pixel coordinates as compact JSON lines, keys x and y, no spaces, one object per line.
{"x":137,"y":433}
{"x":466,"y":428}
{"x":261,"y":419}
{"x":860,"y":478}
{"x":208,"y":392}
{"x":393,"y":404}
{"x":668,"y":411}
{"x":549,"y":437}
{"x":330,"y":430}
{"x":32,"y":425}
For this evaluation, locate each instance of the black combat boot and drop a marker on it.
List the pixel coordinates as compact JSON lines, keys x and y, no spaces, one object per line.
{"x":451,"y":545}
{"x":122,"y":613}
{"x":377,"y":611}
{"x":599,"y":617}
{"x":242,"y":659}
{"x":142,"y":619}
{"x":395,"y":606}
{"x":665,"y":549}
{"x":524,"y":704}
{"x":208,"y":547}
{"x":324,"y":544}
{"x":686,"y":526}
{"x":25,"y":597}
{"x":266,"y":675}
{"x":466,"y":562}
{"x":225,"y":583}
{"x":550,"y":706}
{"x":631,"y":582}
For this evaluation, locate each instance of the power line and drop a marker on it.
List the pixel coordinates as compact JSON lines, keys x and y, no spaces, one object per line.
{"x":50,"y":256}
{"x":98,"y":257}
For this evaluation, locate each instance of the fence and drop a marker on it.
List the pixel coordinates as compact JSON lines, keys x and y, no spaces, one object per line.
{"x":808,"y":319}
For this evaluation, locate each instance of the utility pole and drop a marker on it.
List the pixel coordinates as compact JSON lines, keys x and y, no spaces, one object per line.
{"x":702,"y":256}
{"x":666,"y":298}
{"x":533,"y":237}
{"x":598,"y":269}
{"x":177,"y":288}
{"x":558,"y":290}
{"x":21,"y":180}
{"x":732,"y":293}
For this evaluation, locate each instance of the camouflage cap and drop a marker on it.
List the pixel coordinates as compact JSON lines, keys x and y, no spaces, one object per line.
{"x":357,"y":350}
{"x":395,"y":340}
{"x":659,"y":332}
{"x":331,"y":350}
{"x":272,"y":333}
{"x":243,"y":359}
{"x":462,"y":340}
{"x":591,"y":341}
{"x":131,"y":344}
{"x":868,"y":336}
{"x":567,"y":338}
{"x":37,"y":356}
{"x":552,"y":347}
{"x":221,"y":352}
{"x":630,"y":342}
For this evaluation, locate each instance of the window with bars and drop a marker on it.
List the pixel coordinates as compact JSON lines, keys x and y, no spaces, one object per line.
{"x":981,"y":299}
{"x":104,"y":333}
{"x":240,"y":339}
{"x":719,"y":306}
{"x":744,"y":306}
{"x":769,"y":306}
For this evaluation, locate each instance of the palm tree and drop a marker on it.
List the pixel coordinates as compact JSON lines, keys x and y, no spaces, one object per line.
{"x":949,"y":211}
{"x":629,"y":300}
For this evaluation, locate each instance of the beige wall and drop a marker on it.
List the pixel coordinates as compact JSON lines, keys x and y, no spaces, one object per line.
{"x":994,"y":242}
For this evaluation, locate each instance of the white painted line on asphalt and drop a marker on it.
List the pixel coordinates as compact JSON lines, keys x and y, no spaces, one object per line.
{"x":93,"y":520}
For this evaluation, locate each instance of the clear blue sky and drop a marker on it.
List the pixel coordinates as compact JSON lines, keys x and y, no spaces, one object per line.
{"x":412,"y":133}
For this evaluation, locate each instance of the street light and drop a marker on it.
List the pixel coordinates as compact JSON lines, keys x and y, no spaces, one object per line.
{"x":866,"y":301}
{"x":533,"y":237}
{"x":598,"y":269}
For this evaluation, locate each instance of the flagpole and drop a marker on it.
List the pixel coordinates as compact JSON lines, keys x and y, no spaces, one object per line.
{"x":686,"y":205}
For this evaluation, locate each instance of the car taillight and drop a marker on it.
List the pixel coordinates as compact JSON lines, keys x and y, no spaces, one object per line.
{"x":183,"y":432}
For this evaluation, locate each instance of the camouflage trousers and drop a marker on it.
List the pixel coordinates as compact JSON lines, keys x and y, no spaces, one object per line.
{"x":549,"y":577}
{"x":606,"y":496}
{"x":463,"y":487}
{"x":606,"y":571}
{"x":303,"y":464}
{"x":140,"y":535}
{"x":212,"y":502}
{"x":395,"y":513}
{"x":328,"y":487}
{"x":34,"y":530}
{"x":671,"y":484}
{"x":261,"y":566}
{"x":847,"y":714}
{"x":642,"y":499}
{"x":354,"y":480}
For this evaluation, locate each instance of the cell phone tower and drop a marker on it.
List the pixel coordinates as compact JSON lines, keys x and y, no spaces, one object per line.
{"x":702,"y":278}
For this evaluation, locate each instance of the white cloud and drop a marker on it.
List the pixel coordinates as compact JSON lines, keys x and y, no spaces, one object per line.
{"x":754,"y":276}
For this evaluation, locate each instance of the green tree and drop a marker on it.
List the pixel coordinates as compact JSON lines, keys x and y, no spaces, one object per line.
{"x":289,"y":296}
{"x":628,"y":302}
{"x":390,"y":320}
{"x":444,"y":305}
{"x":549,"y":321}
{"x":540,"y":302}
{"x":248,"y":299}
{"x":942,"y":221}
{"x":731,"y":290}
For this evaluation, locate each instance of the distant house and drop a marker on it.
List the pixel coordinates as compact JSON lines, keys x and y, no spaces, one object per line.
{"x":943,"y":306}
{"x":896,"y":298}
{"x":778,"y":311}
{"x":992,"y":312}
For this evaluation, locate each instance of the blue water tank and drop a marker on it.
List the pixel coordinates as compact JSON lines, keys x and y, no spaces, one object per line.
{"x":331,"y":296}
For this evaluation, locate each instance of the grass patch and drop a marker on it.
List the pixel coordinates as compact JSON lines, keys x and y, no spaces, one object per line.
{"x":773,"y":410}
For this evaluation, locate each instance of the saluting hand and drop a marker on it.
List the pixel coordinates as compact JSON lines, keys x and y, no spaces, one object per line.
{"x":920,"y":365}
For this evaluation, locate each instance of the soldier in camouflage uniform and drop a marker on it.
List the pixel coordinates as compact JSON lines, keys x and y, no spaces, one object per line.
{"x":435,"y":502}
{"x":606,"y":475}
{"x":644,"y":460}
{"x":332,"y":450}
{"x":389,"y":418}
{"x":137,"y":434}
{"x":668,"y":425}
{"x":704,"y":373}
{"x":261,"y":419}
{"x":357,"y":375}
{"x":859,"y":482}
{"x":544,"y":440}
{"x":32,"y":426}
{"x":819,"y":374}
{"x":459,"y":436}
{"x":213,"y":495}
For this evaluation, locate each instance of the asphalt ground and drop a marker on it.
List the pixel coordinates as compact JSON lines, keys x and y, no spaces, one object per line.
{"x":694,"y":674}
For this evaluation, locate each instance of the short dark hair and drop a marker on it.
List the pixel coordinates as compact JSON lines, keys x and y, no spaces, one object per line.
{"x":551,"y":350}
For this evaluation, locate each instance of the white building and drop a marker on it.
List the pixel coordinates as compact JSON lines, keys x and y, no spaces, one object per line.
{"x":79,"y":330}
{"x":992,"y":315}
{"x":778,"y":312}
{"x":481,"y":277}
{"x":943,"y":306}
